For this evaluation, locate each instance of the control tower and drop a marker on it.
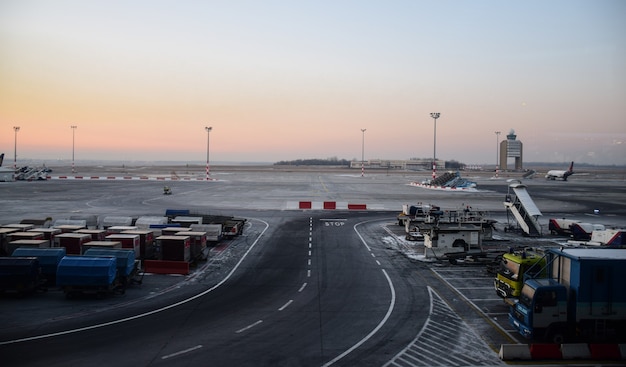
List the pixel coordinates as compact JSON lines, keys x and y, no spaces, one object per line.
{"x":511,"y":148}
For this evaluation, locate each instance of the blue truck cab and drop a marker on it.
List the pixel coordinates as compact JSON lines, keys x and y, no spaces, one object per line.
{"x":581,"y":298}
{"x":541,"y":305}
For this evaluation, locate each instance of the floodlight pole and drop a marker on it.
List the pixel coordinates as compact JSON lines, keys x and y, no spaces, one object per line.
{"x":435,"y":116}
{"x":16,"y":129}
{"x":363,"y":153}
{"x":73,"y":140}
{"x":497,"y":153}
{"x":208,"y":134}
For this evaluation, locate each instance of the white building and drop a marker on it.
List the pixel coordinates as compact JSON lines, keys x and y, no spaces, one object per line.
{"x":7,"y":174}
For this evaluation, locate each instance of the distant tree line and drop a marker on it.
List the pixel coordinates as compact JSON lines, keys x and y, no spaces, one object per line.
{"x":333,"y":161}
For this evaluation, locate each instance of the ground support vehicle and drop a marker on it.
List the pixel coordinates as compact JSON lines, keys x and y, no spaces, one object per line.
{"x":561,"y":226}
{"x":20,"y":275}
{"x":584,"y":231}
{"x":233,"y":227}
{"x":213,"y":232}
{"x":583,"y":298}
{"x":513,"y":268}
{"x":609,"y":237}
{"x":88,"y":275}
{"x":414,"y":213}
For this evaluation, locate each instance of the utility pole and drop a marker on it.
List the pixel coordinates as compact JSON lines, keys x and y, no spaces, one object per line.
{"x":208,"y":133}
{"x":497,"y":153}
{"x":73,"y":136}
{"x":363,"y":153}
{"x":16,"y":128}
{"x":435,"y":116}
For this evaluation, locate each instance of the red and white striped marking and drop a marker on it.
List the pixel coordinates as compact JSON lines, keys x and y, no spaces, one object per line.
{"x":136,"y":178}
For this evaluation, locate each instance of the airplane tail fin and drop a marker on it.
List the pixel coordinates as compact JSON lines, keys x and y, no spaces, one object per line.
{"x":569,"y":172}
{"x":1,"y":159}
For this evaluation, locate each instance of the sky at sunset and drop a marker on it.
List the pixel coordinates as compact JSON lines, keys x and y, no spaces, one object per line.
{"x":285,"y":80}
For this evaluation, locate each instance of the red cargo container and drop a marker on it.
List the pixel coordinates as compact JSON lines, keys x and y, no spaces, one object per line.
{"x":72,"y":242}
{"x":96,"y":234}
{"x":48,"y":233}
{"x":146,"y":242}
{"x":25,"y":236}
{"x":197,"y":241}
{"x":174,"y":248}
{"x":129,"y":241}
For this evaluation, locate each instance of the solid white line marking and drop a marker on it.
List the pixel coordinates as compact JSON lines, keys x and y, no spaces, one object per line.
{"x":182,"y":352}
{"x":380,"y":324}
{"x":392,"y":304}
{"x":135,"y":317}
{"x":248,"y":327}
{"x":302,"y":288}
{"x":285,"y":305}
{"x":334,"y":220}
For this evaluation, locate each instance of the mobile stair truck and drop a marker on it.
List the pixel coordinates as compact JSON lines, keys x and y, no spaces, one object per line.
{"x":514,"y":267}
{"x":582,"y":299}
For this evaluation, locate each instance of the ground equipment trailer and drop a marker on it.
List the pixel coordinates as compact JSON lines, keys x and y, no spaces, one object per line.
{"x":513,"y":268}
{"x":49,"y":259}
{"x":20,"y":275}
{"x":583,"y":298}
{"x":127,"y":266}
{"x":88,"y":275}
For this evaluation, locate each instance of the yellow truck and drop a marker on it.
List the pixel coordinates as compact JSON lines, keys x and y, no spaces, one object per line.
{"x":514,"y":265}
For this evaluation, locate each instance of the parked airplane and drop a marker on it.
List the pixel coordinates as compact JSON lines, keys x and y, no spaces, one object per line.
{"x":560,"y":174}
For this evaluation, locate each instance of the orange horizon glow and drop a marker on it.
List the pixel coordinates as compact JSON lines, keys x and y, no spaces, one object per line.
{"x":285,"y":86}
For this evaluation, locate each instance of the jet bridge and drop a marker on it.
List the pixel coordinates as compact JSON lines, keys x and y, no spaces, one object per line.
{"x":524,"y":210}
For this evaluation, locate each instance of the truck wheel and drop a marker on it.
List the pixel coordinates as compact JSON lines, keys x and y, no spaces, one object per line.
{"x":460,"y":243}
{"x":557,"y":337}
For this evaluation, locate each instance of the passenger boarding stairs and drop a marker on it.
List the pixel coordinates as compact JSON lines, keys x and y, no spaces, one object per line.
{"x":443,"y":179}
{"x":524,"y":210}
{"x":30,"y":174}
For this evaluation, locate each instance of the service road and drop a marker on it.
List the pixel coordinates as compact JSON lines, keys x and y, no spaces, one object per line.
{"x":309,"y":288}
